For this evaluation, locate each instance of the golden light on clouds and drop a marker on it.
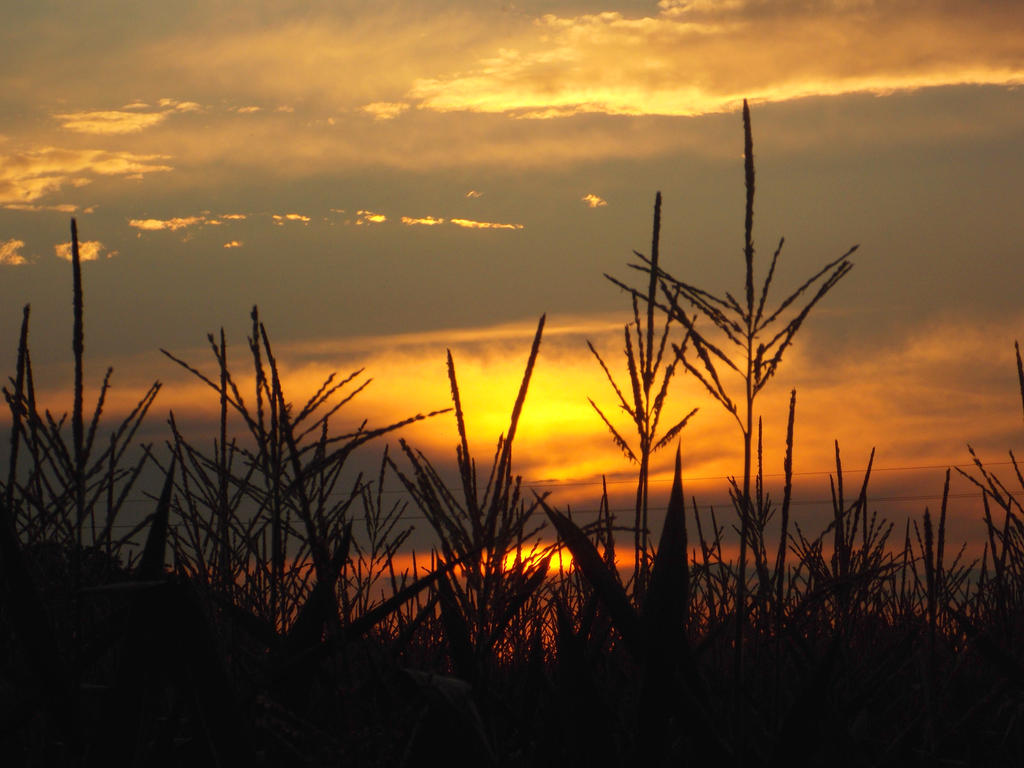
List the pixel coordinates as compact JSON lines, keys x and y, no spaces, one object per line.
{"x":424,"y":69}
{"x":369,"y":217}
{"x":280,"y":219}
{"x":233,"y":244}
{"x":180,"y":106}
{"x":61,"y":207}
{"x":155,"y":225}
{"x":88,"y":250}
{"x":27,"y":176}
{"x":593,"y":201}
{"x":384,"y":110}
{"x":131,"y":119}
{"x":426,"y":221}
{"x":698,"y":58}
{"x":471,"y":224}
{"x":10,"y":252}
{"x":112,"y":121}
{"x":175,"y":223}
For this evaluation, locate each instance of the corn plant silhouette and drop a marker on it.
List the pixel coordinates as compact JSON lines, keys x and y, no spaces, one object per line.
{"x":644,"y":362}
{"x":750,"y":342}
{"x":491,"y":534}
{"x":290,"y":472}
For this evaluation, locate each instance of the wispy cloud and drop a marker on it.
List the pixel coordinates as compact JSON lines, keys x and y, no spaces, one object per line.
{"x":10,"y":252}
{"x":111,"y":121}
{"x":203,"y":219}
{"x":25,"y":177}
{"x":473,"y":194}
{"x":61,"y":207}
{"x":594,"y":201}
{"x":305,"y":58}
{"x":702,"y":57}
{"x":384,"y":110}
{"x":233,"y":244}
{"x":426,"y":221}
{"x":180,"y":106}
{"x":369,"y":217}
{"x":471,"y":224}
{"x":88,"y":250}
{"x":155,"y":225}
{"x":425,"y":68}
{"x":281,"y":218}
{"x":130,"y":119}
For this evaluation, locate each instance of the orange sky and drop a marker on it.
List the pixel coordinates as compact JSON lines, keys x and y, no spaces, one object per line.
{"x":389,"y":180}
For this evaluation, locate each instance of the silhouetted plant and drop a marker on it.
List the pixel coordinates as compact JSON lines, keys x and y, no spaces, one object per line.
{"x":858,"y":650}
{"x":489,"y":533}
{"x":644,"y":363}
{"x":759,"y":335}
{"x":81,"y":473}
{"x":288,"y":471}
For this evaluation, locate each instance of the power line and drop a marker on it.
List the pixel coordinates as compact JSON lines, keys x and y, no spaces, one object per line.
{"x":555,"y":484}
{"x":708,"y":506}
{"x":819,"y":473}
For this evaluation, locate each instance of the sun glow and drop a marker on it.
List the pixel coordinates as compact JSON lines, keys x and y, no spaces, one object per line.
{"x":558,"y":558}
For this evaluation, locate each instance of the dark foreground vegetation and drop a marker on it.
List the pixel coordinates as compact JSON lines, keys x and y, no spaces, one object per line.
{"x":258,"y":615}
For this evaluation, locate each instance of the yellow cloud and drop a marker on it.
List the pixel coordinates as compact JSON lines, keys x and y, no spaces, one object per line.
{"x":427,"y":221}
{"x":180,"y":106}
{"x":698,"y":58}
{"x":233,"y":244}
{"x":10,"y":252}
{"x":280,"y":219}
{"x":369,"y":217}
{"x":112,"y":121}
{"x":305,"y":59}
{"x":62,"y":207}
{"x":688,"y":59}
{"x":384,"y":110}
{"x":247,"y":110}
{"x":470,"y":224}
{"x":154,"y":225}
{"x":27,"y":176}
{"x":473,"y":194}
{"x":233,"y":216}
{"x":122,"y":121}
{"x":88,"y":250}
{"x":594,"y":201}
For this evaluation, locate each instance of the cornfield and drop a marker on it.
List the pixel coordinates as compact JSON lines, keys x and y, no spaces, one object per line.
{"x":265,"y":618}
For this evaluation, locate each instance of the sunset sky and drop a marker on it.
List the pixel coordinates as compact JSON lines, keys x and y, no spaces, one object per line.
{"x":389,"y":179}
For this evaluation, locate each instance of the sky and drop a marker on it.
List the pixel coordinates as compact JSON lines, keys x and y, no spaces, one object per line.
{"x":389,"y":180}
